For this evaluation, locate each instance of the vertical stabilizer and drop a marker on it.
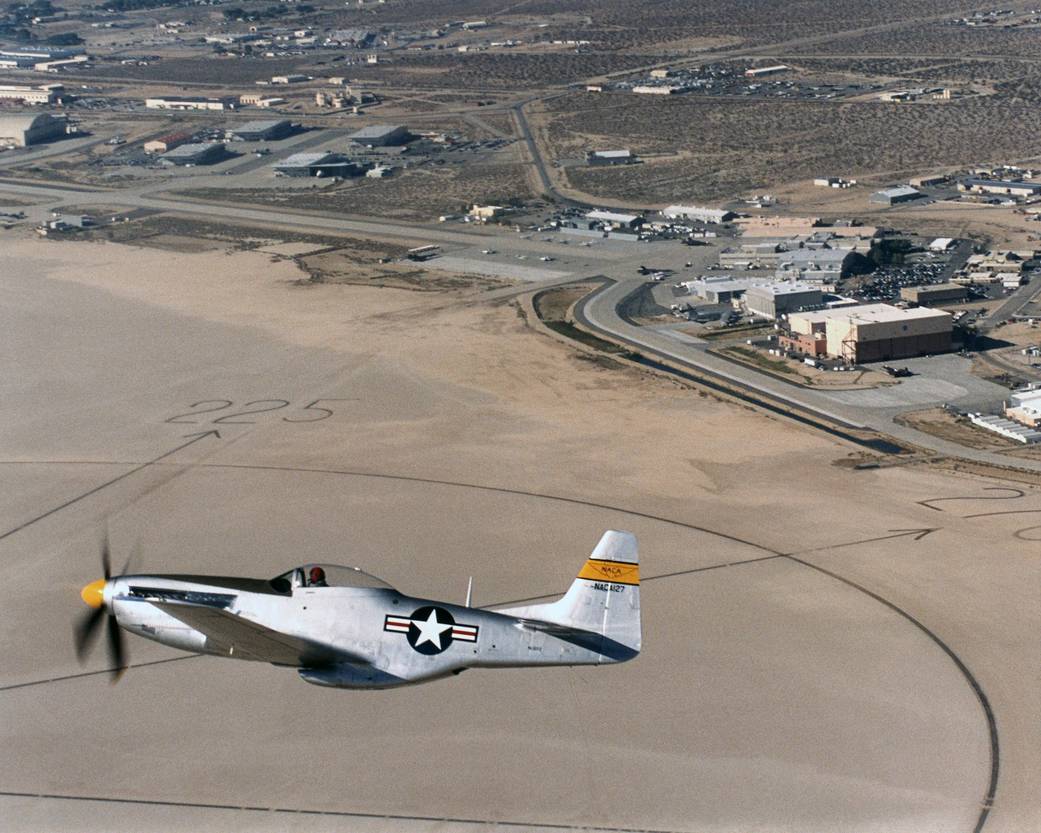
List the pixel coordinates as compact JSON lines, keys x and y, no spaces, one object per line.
{"x":605,"y":596}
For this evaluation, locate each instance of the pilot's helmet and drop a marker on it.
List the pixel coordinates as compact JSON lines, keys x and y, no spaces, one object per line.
{"x":317,"y":575}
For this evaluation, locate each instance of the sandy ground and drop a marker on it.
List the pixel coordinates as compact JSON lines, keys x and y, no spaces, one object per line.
{"x":771,"y":695}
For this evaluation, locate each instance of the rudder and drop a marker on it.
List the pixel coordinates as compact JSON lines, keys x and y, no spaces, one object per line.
{"x":605,"y":596}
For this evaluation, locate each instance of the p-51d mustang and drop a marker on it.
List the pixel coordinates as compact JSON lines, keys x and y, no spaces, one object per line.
{"x":341,"y":627}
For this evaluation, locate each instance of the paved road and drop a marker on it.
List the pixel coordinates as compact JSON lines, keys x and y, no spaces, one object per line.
{"x":852,"y":409}
{"x":1013,"y":304}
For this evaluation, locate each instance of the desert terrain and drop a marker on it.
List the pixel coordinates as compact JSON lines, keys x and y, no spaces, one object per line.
{"x":810,"y":664}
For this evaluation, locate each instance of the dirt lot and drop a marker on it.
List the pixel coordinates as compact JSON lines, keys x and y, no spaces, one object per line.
{"x":421,"y":193}
{"x":356,"y":265}
{"x":941,"y":423}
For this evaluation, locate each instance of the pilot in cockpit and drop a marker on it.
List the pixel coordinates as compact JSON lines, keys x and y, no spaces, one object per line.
{"x":316,"y":577}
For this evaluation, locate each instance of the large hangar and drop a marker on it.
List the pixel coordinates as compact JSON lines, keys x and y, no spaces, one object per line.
{"x":260,"y":131}
{"x":873,"y":332}
{"x":24,"y":129}
{"x":381,"y":135}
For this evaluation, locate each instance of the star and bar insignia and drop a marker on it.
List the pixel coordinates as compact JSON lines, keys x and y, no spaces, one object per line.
{"x":430,"y":630}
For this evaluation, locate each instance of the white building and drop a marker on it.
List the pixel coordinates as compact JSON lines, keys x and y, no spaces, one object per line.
{"x":176,"y":102}
{"x":758,"y":72}
{"x":697,"y":213}
{"x":615,"y":219}
{"x":1025,"y":408}
{"x":29,"y":95}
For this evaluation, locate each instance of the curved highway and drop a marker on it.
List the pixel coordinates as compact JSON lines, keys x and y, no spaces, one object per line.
{"x":599,"y":312}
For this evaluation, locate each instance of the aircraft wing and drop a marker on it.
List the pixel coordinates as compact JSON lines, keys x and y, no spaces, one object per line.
{"x":242,"y":638}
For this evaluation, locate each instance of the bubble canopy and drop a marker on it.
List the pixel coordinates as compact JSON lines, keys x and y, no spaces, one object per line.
{"x":326,"y":575}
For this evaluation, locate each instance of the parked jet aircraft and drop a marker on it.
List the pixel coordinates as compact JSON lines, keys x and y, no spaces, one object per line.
{"x":341,"y":627}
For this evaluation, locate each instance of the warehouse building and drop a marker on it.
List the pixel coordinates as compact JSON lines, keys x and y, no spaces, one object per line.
{"x":821,"y":265}
{"x":776,"y":299}
{"x":24,"y":129}
{"x":759,"y":72}
{"x":23,"y":94}
{"x":167,"y":142}
{"x":261,"y":131}
{"x":697,"y":214}
{"x":381,"y":135}
{"x":722,"y":289}
{"x":870,"y":333}
{"x":613,"y":219}
{"x":195,"y":154}
{"x":660,"y":89}
{"x":260,"y":100}
{"x":761,"y":254}
{"x":928,"y":181}
{"x":1025,"y":408}
{"x":937,"y":293}
{"x":317,"y":164}
{"x":188,"y":102}
{"x":895,"y":196}
{"x":1001,"y":187}
{"x":610,"y":157}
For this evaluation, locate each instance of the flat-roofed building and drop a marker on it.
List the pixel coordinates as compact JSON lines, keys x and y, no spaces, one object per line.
{"x":318,"y":164}
{"x":894,"y":196}
{"x":773,"y":300}
{"x":942,"y":244}
{"x":758,"y":72}
{"x":926,"y":181}
{"x":24,"y":94}
{"x":485,"y":213}
{"x":189,"y":102}
{"x":167,"y":142}
{"x":260,"y":100}
{"x":819,"y":265}
{"x":614,"y":219}
{"x":936,"y":293}
{"x":1025,"y":408}
{"x":660,"y":90}
{"x":24,"y":129}
{"x":378,"y":135}
{"x":196,"y":153}
{"x":722,"y":289}
{"x":1010,"y":188}
{"x":610,"y":157}
{"x":63,"y":63}
{"x":697,"y":213}
{"x":261,"y":131}
{"x":876,"y":332}
{"x":998,"y":263}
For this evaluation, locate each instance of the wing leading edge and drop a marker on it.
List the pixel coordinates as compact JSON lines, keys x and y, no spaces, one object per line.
{"x":235,"y":636}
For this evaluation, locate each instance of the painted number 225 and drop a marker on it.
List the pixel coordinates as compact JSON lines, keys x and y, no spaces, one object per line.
{"x":312,"y":412}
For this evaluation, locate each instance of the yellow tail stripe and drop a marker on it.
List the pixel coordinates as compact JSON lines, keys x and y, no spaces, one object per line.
{"x":619,"y":572}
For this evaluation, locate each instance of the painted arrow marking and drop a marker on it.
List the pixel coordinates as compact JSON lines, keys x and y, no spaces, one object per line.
{"x":917,"y":534}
